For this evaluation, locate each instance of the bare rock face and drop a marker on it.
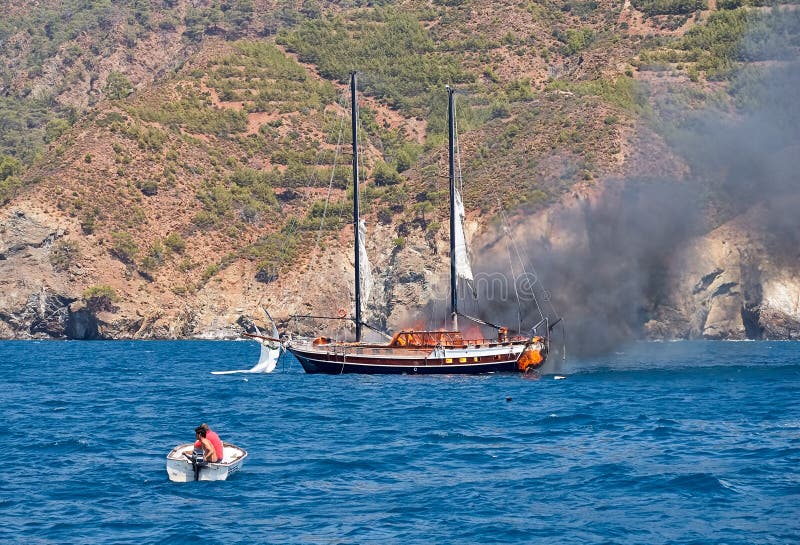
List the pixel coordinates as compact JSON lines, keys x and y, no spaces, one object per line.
{"x":724,"y":320}
{"x":20,"y":233}
{"x":82,"y":324}
{"x":48,"y":314}
{"x":779,"y":311}
{"x":616,"y":277}
{"x":725,"y":285}
{"x":30,"y":306}
{"x":410,"y":283}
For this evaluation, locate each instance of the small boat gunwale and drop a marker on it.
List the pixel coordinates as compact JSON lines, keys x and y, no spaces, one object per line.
{"x":180,"y":467}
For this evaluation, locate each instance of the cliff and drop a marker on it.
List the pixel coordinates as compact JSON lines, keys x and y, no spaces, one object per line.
{"x":190,"y":187}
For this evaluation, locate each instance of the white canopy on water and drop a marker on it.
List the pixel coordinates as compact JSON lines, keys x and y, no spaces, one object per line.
{"x":270,"y":352}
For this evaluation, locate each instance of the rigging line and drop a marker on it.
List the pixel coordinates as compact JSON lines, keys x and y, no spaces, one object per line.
{"x":516,"y":291}
{"x":318,"y":162}
{"x":362,"y":149}
{"x":294,"y":226}
{"x":362,"y":185}
{"x":347,"y":109}
{"x":456,"y":144}
{"x":507,"y":233}
{"x":359,"y":175}
{"x":363,"y":143}
{"x":438,"y":214}
{"x":535,"y":274}
{"x":495,"y":193}
{"x":330,"y":182}
{"x":458,"y":179}
{"x":441,"y":218}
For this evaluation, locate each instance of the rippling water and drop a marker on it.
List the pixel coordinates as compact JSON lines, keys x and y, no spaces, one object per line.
{"x":692,"y":442}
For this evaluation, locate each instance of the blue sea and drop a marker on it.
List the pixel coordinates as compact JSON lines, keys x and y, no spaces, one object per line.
{"x":686,"y":442}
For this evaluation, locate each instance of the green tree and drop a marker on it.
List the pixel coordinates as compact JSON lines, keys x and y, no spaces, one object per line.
{"x":100,"y":298}
{"x":123,"y":247}
{"x":424,"y":208}
{"x":54,"y":129}
{"x":174,"y":242}
{"x":118,"y":86}
{"x":385,"y":174}
{"x":10,"y":168}
{"x":63,"y":254}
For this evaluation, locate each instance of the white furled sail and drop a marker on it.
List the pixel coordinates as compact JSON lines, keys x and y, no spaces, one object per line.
{"x":463,"y":268}
{"x":365,"y":271}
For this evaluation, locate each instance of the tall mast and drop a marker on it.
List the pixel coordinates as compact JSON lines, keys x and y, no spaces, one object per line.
{"x":354,"y":118}
{"x":452,"y":176}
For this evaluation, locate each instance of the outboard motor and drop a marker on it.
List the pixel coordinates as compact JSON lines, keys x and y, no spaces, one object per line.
{"x":198,"y":462}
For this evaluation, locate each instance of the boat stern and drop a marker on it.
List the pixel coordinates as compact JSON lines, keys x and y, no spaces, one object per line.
{"x":533,"y":356}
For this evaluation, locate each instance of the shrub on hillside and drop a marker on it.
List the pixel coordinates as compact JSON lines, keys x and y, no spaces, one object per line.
{"x":147,"y":187}
{"x":385,"y":174}
{"x":9,"y":179}
{"x":174,"y":243}
{"x":100,"y":298}
{"x":63,"y":254}
{"x":669,"y":7}
{"x":123,"y":247}
{"x":407,"y":65}
{"x":118,"y":86}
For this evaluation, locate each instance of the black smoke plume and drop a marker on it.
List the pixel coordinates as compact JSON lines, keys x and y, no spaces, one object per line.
{"x":611,"y":277}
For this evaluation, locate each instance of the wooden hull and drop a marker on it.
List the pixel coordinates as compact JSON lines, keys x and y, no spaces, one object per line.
{"x":341,"y":358}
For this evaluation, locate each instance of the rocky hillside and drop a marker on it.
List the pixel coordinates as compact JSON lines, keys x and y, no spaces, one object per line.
{"x":182,"y":164}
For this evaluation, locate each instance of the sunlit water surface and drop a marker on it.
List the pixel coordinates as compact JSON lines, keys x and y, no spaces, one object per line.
{"x":691,"y":442}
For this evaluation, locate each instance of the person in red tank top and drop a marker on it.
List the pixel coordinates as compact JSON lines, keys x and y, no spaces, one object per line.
{"x":202,"y":442}
{"x":215,"y":441}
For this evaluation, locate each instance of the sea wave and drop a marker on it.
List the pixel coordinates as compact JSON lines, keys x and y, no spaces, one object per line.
{"x":665,"y":443}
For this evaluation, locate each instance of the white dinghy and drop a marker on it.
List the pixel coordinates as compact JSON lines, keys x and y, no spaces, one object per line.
{"x":183,"y":468}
